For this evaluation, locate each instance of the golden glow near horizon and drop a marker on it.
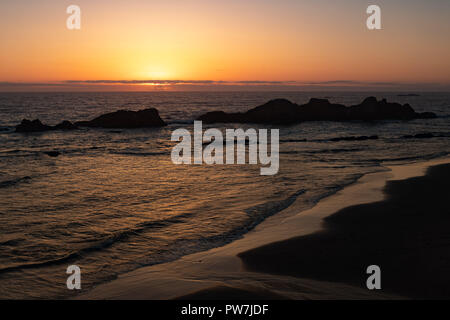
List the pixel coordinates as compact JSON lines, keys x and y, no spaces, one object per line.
{"x":287,"y":40}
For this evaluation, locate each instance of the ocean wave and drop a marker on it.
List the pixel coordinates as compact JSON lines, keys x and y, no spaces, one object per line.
{"x":33,"y":265}
{"x":9,"y":183}
{"x":413,"y":158}
{"x":137,"y":153}
{"x":321,"y":151}
{"x":338,"y":150}
{"x":100,"y":244}
{"x":180,"y":121}
{"x":293,"y":140}
{"x":426,"y":135}
{"x":6,"y":129}
{"x":10,"y":242}
{"x":42,"y":150}
{"x":420,"y":135}
{"x":334,"y":139}
{"x":354,"y":138}
{"x":260,"y":212}
{"x":256,"y":215}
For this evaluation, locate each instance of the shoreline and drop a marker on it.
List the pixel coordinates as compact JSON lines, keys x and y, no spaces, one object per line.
{"x":219,"y":272}
{"x":405,"y":236}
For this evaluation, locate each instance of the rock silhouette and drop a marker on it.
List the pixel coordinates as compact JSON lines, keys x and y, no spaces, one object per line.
{"x":65,"y":125}
{"x":52,"y":153}
{"x":32,"y":126}
{"x":426,"y":135}
{"x":126,"y":119}
{"x":282,"y":111}
{"x":38,"y":126}
{"x":119,"y":119}
{"x":409,"y":95}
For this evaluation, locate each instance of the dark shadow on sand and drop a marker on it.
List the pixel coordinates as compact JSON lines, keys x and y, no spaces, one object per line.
{"x":407,"y":235}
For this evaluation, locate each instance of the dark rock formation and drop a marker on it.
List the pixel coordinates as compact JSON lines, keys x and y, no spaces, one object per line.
{"x":119,"y":119}
{"x":52,"y":153}
{"x":65,"y":125}
{"x":275,"y":111}
{"x":32,"y":126}
{"x":37,"y":126}
{"x":126,"y":119}
{"x":427,"y":135}
{"x":409,"y":95}
{"x":281,"y":111}
{"x":371,"y":109}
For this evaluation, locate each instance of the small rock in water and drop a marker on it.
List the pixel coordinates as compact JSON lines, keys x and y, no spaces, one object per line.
{"x":65,"y":125}
{"x":38,"y":126}
{"x":32,"y":126}
{"x":420,"y":136}
{"x":52,"y":153}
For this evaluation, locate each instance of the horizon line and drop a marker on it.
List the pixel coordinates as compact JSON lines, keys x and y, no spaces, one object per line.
{"x":219,"y":85}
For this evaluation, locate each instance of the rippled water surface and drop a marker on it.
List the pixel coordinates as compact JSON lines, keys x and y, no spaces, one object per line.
{"x":113,"y":200}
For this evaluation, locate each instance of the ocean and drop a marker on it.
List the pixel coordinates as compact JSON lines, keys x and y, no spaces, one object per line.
{"x":113,"y":201}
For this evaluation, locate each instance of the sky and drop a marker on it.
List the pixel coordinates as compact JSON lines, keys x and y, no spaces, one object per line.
{"x":191,"y":44}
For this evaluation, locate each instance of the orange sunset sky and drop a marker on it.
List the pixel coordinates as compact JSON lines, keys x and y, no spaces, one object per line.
{"x":219,"y":43}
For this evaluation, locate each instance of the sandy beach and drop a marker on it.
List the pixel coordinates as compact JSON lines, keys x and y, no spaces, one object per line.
{"x":321,"y":253}
{"x":406,"y":235}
